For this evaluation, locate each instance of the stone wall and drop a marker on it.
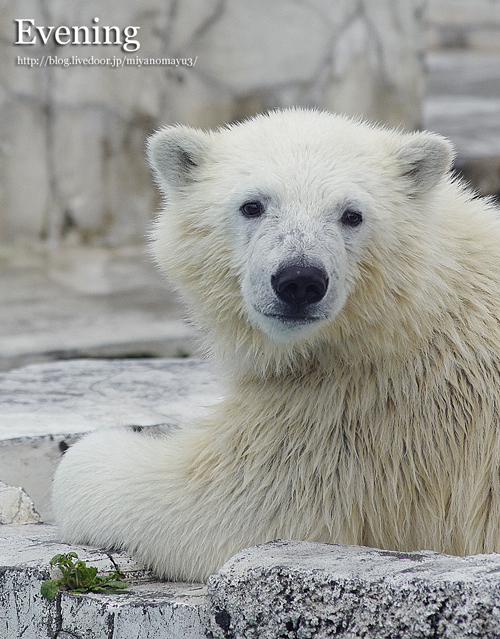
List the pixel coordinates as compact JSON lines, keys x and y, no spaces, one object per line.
{"x":72,"y":137}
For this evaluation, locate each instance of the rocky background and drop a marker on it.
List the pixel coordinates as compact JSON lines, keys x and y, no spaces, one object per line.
{"x":72,"y":155}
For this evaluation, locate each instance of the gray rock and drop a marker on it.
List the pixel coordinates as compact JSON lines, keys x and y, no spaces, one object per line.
{"x":16,"y":506}
{"x":278,"y":590}
{"x":301,"y":590}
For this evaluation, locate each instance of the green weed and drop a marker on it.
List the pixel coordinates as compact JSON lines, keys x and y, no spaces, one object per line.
{"x":78,"y":577}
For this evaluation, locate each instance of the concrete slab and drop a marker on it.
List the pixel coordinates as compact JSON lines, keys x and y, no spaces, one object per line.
{"x":152,"y":610}
{"x":76,"y":396}
{"x":45,"y":407}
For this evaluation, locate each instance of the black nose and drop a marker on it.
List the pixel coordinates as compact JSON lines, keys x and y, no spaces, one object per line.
{"x":300,"y":285}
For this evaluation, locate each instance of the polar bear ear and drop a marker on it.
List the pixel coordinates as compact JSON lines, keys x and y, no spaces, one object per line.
{"x":175,"y":153}
{"x":423,"y":159}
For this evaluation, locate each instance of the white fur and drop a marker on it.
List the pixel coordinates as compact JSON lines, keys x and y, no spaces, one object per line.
{"x":373,"y":422}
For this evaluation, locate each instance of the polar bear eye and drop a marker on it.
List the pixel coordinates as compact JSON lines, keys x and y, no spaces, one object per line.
{"x":351,"y":218}
{"x":252,"y":209}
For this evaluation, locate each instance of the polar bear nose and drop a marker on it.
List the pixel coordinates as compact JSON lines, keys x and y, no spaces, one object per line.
{"x":300,"y":285}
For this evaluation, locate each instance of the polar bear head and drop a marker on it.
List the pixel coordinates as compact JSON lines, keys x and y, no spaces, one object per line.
{"x":271,"y":225}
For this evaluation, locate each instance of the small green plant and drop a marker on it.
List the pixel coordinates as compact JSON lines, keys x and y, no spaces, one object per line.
{"x":78,"y":577}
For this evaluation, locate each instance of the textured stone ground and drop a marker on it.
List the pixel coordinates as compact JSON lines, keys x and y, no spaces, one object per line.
{"x":304,"y":590}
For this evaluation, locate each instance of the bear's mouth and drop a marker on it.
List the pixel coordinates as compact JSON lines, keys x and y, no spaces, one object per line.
{"x":293,"y":319}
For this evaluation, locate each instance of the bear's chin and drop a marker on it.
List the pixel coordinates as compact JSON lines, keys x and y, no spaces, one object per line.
{"x":285,"y":328}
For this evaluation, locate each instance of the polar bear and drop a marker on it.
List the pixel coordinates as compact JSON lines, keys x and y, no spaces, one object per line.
{"x":349,"y":288}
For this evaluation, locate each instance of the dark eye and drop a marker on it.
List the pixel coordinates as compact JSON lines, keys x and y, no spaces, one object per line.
{"x":252,"y":209}
{"x":351,"y":218}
